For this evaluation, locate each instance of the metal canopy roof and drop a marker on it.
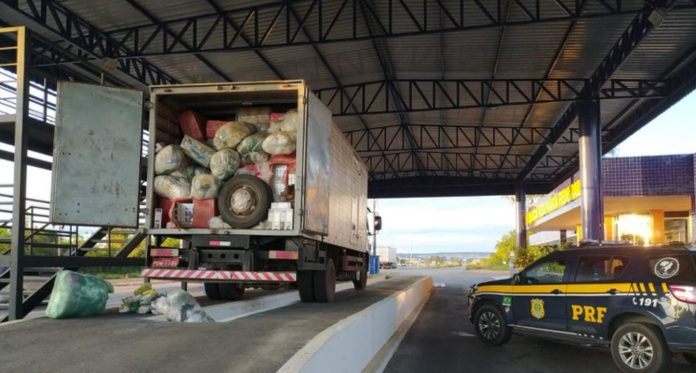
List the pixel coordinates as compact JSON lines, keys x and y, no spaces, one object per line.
{"x":439,"y":97}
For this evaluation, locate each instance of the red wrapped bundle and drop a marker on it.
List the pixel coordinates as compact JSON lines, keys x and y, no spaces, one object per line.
{"x":192,"y":124}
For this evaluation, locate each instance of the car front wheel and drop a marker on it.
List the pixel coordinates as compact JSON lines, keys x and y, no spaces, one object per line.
{"x":639,"y":348}
{"x":491,"y":326}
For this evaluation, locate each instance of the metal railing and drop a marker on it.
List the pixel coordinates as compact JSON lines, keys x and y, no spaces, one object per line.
{"x":44,"y":238}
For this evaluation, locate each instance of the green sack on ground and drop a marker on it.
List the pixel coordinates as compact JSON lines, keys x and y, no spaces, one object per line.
{"x":77,"y":295}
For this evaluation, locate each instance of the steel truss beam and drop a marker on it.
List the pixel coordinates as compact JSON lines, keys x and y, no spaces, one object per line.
{"x":92,"y":42}
{"x":329,"y":21}
{"x":446,"y":137}
{"x":639,"y":27}
{"x":376,"y":97}
{"x":448,"y":186}
{"x":682,"y":75}
{"x":459,"y":164}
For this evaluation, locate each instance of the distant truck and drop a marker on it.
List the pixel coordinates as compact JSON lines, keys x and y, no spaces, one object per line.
{"x":387,"y":257}
{"x":313,"y":236}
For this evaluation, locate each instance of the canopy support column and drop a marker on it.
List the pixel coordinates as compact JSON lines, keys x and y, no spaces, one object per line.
{"x":590,"y":142}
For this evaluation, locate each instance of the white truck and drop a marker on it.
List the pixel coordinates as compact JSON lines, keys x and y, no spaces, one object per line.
{"x":387,"y":257}
{"x":104,"y":169}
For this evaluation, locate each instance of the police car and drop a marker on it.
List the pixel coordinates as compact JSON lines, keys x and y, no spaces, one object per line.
{"x":639,"y":301}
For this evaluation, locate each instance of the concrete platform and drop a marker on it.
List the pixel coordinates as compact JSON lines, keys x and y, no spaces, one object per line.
{"x":261,"y":342}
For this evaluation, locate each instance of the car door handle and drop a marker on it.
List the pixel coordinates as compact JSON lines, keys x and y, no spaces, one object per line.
{"x":556,"y":291}
{"x":612,"y":291}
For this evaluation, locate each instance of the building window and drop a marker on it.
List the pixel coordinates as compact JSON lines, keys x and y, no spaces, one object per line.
{"x":634,"y":228}
{"x":677,"y":226}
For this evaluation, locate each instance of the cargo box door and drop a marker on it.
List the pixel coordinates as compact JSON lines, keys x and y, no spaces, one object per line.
{"x":96,"y":155}
{"x":318,"y":161}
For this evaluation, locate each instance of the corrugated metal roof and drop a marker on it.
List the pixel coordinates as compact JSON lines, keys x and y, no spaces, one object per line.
{"x":524,"y":51}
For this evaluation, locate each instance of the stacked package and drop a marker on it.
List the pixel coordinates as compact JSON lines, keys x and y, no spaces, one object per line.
{"x":190,"y":174}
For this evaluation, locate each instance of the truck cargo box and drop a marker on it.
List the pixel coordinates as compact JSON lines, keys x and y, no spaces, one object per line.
{"x":330,"y":180}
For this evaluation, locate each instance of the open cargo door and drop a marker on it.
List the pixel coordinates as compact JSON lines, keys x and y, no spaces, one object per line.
{"x":96,"y":155}
{"x":318,"y":162}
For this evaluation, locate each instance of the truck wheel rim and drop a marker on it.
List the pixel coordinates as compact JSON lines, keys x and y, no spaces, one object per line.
{"x":489,"y":325}
{"x":243,"y":201}
{"x":635,"y":350}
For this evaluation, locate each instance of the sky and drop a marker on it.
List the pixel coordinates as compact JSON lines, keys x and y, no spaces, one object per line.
{"x":428,"y":225}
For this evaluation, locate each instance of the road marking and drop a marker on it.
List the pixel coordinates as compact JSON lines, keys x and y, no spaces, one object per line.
{"x":439,"y":285}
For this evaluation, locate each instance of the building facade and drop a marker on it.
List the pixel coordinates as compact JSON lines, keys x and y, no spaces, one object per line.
{"x":647,"y":201}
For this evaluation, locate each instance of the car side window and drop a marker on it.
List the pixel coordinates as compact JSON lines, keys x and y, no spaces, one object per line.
{"x":600,"y":268}
{"x":548,"y":272}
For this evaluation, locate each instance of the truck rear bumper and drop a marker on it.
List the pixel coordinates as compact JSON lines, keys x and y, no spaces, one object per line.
{"x":218,"y":276}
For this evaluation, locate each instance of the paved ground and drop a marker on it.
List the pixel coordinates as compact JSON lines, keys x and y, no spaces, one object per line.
{"x":442,"y":339}
{"x":126,"y":343}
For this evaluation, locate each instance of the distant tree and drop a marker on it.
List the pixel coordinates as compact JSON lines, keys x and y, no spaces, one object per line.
{"x":4,"y":247}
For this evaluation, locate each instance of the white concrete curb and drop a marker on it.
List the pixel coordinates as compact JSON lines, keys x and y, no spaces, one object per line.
{"x":350,"y":344}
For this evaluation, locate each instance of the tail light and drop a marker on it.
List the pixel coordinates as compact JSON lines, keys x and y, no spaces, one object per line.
{"x":684,"y":293}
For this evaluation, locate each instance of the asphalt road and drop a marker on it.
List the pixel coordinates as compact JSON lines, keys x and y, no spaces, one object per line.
{"x":442,"y":339}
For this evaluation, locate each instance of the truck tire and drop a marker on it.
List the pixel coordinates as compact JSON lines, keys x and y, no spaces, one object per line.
{"x":325,"y":283}
{"x":491,"y":326}
{"x":305,"y":286}
{"x":361,"y":281}
{"x":231,"y":291}
{"x":212,"y":290}
{"x":244,"y":201}
{"x":640,"y":348}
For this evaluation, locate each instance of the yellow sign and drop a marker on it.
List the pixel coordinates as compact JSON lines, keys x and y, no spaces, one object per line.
{"x":554,"y":202}
{"x":590,"y":313}
{"x":538,"y":308}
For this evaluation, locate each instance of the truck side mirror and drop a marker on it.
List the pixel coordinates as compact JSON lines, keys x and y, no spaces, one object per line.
{"x":378,"y":223}
{"x":517,"y":279}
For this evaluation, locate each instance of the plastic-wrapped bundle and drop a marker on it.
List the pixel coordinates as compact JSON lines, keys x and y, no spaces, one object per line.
{"x":231,"y":134}
{"x":255,"y":157}
{"x":216,"y":222}
{"x":251,"y":150}
{"x":288,"y":123}
{"x":259,"y":116}
{"x":169,"y":159}
{"x":262,"y":170}
{"x":280,"y":143}
{"x":172,"y":187}
{"x":197,"y":150}
{"x":204,"y":187}
{"x":189,"y":172}
{"x":180,"y":306}
{"x":77,"y":295}
{"x":224,"y":163}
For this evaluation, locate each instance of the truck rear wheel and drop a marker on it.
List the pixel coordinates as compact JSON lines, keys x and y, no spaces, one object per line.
{"x":212,"y":290}
{"x":305,"y":286}
{"x":360,"y":281}
{"x":244,"y":201}
{"x":231,"y":291}
{"x":325,"y":283}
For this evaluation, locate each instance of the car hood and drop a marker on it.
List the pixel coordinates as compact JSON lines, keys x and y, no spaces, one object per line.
{"x":505,"y":281}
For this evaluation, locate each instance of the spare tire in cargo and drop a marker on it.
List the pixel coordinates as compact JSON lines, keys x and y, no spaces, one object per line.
{"x":244,"y":201}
